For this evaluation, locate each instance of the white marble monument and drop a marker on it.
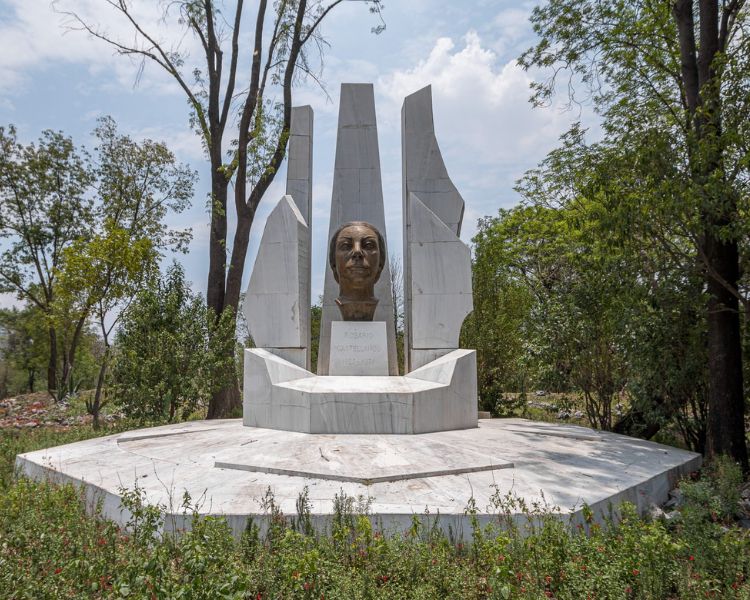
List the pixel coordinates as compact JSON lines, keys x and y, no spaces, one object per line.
{"x":357,"y":388}
{"x":410,"y":444}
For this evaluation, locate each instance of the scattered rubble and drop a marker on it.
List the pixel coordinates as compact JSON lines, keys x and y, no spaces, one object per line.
{"x":39,"y":410}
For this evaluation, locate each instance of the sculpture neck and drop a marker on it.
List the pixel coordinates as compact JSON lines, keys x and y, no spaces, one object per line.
{"x":357,"y":310}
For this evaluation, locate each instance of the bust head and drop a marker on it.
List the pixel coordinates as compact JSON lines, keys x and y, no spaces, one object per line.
{"x":357,"y":256}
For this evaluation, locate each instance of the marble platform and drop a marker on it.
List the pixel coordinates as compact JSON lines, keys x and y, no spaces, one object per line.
{"x":228,"y":468}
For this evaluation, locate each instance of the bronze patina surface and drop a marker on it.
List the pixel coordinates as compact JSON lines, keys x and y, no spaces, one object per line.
{"x":357,"y":256}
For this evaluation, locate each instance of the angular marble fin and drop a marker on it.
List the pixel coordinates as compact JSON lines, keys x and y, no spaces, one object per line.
{"x":423,"y":174}
{"x":299,"y":187}
{"x":439,"y":290}
{"x":424,"y":171}
{"x":277,"y":306}
{"x":357,"y":196}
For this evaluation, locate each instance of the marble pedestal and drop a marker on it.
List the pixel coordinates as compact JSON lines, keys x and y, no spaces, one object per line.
{"x":439,"y":396}
{"x":358,"y":348}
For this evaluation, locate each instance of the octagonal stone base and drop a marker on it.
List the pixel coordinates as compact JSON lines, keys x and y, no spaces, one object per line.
{"x":433,"y":476}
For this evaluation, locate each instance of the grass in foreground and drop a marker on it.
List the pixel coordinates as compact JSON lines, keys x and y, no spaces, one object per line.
{"x":50,"y":548}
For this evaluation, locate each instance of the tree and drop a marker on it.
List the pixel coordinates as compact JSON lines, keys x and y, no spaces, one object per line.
{"x":670,"y":79}
{"x":165,"y":367}
{"x":138,"y":184}
{"x":84,"y":229}
{"x":215,"y":97}
{"x":549,"y":307}
{"x":496,"y":325}
{"x":26,"y":346}
{"x":397,"y":293}
{"x":44,"y":207}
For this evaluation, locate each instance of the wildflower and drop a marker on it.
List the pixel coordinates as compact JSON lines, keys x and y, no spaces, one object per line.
{"x":307,"y":586}
{"x":101,"y":542}
{"x":636,"y":572}
{"x":628,"y":590}
{"x":58,"y":570}
{"x":548,"y":580}
{"x":691,"y":557}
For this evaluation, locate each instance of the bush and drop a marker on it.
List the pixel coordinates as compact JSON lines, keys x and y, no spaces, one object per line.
{"x":165,"y":364}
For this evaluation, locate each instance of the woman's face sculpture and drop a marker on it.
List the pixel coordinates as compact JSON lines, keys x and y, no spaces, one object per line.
{"x":357,"y":257}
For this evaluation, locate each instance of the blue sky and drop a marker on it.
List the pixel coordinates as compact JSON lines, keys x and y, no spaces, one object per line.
{"x":488,"y":132}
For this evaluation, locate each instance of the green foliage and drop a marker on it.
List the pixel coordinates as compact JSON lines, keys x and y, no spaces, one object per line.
{"x":50,"y":548}
{"x":25,"y":349}
{"x":166,"y":360}
{"x":551,"y":297}
{"x":670,"y":184}
{"x":316,"y":311}
{"x":85,"y":232}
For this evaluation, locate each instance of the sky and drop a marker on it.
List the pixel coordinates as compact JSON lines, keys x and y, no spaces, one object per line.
{"x":489,"y":133}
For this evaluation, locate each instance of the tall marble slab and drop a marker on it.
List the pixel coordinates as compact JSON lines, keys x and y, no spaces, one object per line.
{"x":300,"y":160}
{"x":299,"y":184}
{"x":357,"y":196}
{"x":277,"y":304}
{"x":444,"y":295}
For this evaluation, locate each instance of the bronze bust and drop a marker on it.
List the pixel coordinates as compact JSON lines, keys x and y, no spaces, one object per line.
{"x":357,"y":257}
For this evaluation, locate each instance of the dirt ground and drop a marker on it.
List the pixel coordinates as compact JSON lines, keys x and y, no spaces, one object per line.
{"x":29,"y":411}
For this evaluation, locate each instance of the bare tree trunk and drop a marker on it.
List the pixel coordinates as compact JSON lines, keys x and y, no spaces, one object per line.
{"x":217,"y":264}
{"x":94,"y":407}
{"x":212,"y":114}
{"x":725,"y":429}
{"x":726,"y":405}
{"x":52,"y":364}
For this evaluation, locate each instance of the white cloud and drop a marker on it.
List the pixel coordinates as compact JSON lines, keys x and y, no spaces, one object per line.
{"x":489,"y":133}
{"x":480,"y":104}
{"x":511,"y":30}
{"x":9,"y":300}
{"x":38,"y":36}
{"x":183,"y":141}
